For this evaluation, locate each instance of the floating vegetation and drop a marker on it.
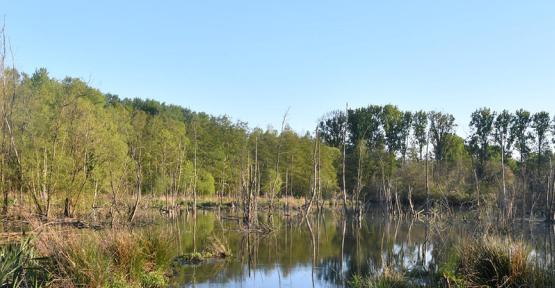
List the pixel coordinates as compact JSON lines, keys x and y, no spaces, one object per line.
{"x":214,"y":250}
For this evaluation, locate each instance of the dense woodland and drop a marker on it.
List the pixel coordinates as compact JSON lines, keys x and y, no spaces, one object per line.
{"x":66,"y":144}
{"x":67,"y":147}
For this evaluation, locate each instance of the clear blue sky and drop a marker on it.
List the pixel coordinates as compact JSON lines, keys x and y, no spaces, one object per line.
{"x":254,"y":59}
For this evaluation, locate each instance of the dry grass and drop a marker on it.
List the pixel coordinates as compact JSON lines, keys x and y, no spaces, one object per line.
{"x":388,"y":279}
{"x":104,"y":258}
{"x":495,"y":262}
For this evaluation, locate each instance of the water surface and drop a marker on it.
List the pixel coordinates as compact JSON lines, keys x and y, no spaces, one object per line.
{"x":325,"y":250}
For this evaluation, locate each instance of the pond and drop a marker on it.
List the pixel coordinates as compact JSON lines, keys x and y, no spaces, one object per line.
{"x":325,"y":250}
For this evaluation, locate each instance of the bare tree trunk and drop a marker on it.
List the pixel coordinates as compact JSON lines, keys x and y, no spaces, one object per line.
{"x":195,"y":174}
{"x":550,"y":194}
{"x":412,"y":212}
{"x":385,"y":188}
{"x":359,"y":186}
{"x":251,"y":187}
{"x":8,"y":150}
{"x":427,"y":176}
{"x":314,"y":173}
{"x":398,"y":202}
{"x":477,"y":186}
{"x":290,"y":194}
{"x":245,"y":185}
{"x":276,"y":178}
{"x":136,"y":155}
{"x":286,"y":189}
{"x":256,"y":187}
{"x":523,"y":184}
{"x":344,"y":187}
{"x":344,"y":224}
{"x":504,"y":200}
{"x":319,"y":169}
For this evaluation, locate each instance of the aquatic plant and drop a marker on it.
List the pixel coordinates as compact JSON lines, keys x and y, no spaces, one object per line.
{"x":19,"y":266}
{"x":214,"y":249}
{"x":388,"y":279}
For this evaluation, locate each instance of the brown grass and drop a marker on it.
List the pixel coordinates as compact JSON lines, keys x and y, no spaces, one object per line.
{"x":102,"y":258}
{"x":495,"y":262}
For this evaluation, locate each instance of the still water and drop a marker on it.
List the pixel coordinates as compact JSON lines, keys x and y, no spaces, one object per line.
{"x":325,"y":250}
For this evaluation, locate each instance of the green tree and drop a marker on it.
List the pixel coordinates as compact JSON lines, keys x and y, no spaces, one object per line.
{"x":420,"y":128}
{"x":541,"y":124}
{"x":441,"y":126}
{"x":519,"y":133}
{"x":331,"y":128}
{"x":481,"y":124}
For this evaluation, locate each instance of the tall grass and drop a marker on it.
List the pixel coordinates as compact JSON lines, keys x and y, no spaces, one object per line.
{"x":495,"y":262}
{"x":117,"y":258}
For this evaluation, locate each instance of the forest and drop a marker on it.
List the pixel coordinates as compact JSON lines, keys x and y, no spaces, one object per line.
{"x":67,"y":147}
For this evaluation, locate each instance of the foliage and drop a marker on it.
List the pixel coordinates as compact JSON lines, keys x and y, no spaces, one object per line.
{"x":19,"y":266}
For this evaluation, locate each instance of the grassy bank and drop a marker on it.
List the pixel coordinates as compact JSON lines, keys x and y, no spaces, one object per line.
{"x":212,"y":202}
{"x":121,"y":257}
{"x":58,"y":258}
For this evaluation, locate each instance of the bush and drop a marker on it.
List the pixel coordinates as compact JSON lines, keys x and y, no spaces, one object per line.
{"x":206,"y":183}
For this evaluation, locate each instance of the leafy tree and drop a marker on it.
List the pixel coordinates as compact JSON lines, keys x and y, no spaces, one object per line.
{"x":481,"y":124}
{"x":420,"y":128}
{"x":541,"y":125}
{"x":205,"y":185}
{"x":392,"y":121}
{"x":405,"y":133}
{"x":331,"y":128}
{"x":519,"y":133}
{"x":501,"y":132}
{"x":271,"y":180}
{"x":441,"y":126}
{"x":365,"y":124}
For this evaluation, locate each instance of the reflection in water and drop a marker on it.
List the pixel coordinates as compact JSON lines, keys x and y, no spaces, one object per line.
{"x":324,"y":250}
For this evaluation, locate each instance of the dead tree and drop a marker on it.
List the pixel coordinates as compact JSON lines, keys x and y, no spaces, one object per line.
{"x":344,"y":186}
{"x":315,"y":182}
{"x":550,"y":195}
{"x":195,"y":173}
{"x":276,"y":177}
{"x":359,"y":185}
{"x":250,"y":186}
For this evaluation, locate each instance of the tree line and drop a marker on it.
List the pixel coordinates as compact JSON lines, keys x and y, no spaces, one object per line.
{"x":68,"y":147}
{"x":395,"y":157}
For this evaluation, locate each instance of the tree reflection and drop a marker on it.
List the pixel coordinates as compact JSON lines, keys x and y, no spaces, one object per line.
{"x":327,"y":249}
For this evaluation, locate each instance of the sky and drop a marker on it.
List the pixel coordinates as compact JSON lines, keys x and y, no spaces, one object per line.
{"x":255,"y":60}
